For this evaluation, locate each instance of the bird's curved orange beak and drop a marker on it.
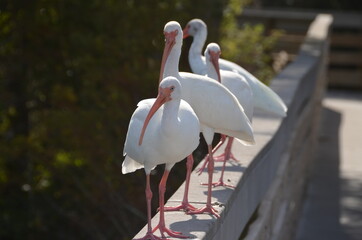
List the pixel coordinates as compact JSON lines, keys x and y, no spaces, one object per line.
{"x":214,"y":57}
{"x":170,"y":42}
{"x":164,"y":95}
{"x":186,"y":31}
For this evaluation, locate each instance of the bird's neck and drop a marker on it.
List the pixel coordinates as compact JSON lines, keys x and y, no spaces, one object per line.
{"x":195,"y":55}
{"x":170,"y":116}
{"x":211,"y":71}
{"x":171,"y":65}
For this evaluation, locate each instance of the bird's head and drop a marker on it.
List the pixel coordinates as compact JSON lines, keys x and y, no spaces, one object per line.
{"x":212,"y":55}
{"x":169,"y":89}
{"x":194,"y":27}
{"x":173,"y":35}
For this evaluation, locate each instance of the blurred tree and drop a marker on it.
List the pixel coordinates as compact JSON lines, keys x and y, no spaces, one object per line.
{"x":71,"y":75}
{"x":249,"y":45}
{"x":352,"y":5}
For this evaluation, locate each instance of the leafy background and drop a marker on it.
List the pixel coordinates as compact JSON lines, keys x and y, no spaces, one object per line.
{"x":71,"y":74}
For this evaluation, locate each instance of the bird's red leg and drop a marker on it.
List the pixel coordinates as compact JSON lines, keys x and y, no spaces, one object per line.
{"x":149,"y":235}
{"x":201,"y":169}
{"x":227,"y":155}
{"x":161,"y":225}
{"x":185,"y":205}
{"x":208,"y":208}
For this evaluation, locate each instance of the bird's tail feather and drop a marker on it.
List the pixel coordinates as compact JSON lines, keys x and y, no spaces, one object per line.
{"x":129,"y":165}
{"x":267,"y":100}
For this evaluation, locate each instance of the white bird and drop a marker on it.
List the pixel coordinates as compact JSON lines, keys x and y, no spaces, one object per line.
{"x":241,"y":90}
{"x":223,"y":114}
{"x":265,"y":98}
{"x":164,"y":130}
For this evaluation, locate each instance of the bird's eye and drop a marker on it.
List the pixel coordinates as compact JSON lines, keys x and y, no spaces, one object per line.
{"x":172,"y":88}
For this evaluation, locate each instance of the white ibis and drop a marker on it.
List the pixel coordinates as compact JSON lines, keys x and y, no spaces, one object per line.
{"x":264,"y":98}
{"x":241,"y":90}
{"x":162,"y":131}
{"x":222,"y":114}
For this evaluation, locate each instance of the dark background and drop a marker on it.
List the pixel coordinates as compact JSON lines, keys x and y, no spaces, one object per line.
{"x":71,"y":74}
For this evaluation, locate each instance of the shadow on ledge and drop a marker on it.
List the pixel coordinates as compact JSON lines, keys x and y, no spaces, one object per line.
{"x":321,"y":211}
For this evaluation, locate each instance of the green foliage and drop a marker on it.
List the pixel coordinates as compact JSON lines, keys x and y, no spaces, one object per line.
{"x":71,"y":74}
{"x":249,"y":45}
{"x":350,"y":5}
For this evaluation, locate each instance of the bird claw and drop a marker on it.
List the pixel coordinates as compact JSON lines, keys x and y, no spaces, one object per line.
{"x":224,"y":157}
{"x":201,"y":169}
{"x":218,"y":184}
{"x":221,"y":183}
{"x":185,"y":206}
{"x":149,"y":236}
{"x":220,"y":158}
{"x":206,"y":209}
{"x":171,"y":233}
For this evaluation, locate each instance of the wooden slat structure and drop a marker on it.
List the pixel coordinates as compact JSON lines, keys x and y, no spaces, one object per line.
{"x":270,"y":177}
{"x":345,"y":63}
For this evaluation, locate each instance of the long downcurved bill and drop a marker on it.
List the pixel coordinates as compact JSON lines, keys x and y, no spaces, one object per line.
{"x":170,"y":42}
{"x":161,"y":99}
{"x":214,"y":57}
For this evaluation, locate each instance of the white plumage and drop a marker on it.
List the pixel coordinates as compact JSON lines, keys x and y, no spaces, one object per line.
{"x":164,"y":130}
{"x":241,"y":90}
{"x":264,"y":98}
{"x":171,"y":135}
{"x":235,"y":82}
{"x":223,"y":114}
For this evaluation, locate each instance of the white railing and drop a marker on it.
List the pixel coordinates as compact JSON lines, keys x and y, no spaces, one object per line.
{"x":270,"y":177}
